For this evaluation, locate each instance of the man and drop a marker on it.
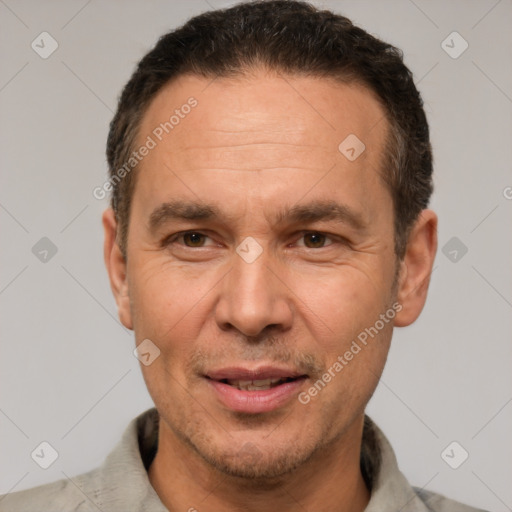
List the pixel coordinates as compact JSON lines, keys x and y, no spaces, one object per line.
{"x":270,"y":168}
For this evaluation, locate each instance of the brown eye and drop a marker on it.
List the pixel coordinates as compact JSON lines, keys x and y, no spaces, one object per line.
{"x":193,"y":239}
{"x":314,"y":240}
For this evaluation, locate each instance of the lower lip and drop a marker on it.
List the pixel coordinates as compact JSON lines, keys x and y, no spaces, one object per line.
{"x":266,"y":400}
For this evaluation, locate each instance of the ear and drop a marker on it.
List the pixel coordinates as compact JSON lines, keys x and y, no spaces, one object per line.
{"x":416,"y":268}
{"x":116,"y":268}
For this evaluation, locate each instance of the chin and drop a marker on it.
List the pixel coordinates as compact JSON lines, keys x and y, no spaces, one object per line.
{"x":258,"y":464}
{"x":266,"y":470}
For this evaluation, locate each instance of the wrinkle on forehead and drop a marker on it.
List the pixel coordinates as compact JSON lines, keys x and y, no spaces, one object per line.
{"x":284,"y":109}
{"x":264,"y":125}
{"x":254,"y":156}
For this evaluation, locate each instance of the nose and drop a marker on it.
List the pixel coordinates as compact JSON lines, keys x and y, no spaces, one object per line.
{"x":254,"y":297}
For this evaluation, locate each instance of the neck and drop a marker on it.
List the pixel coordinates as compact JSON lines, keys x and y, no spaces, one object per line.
{"x":330,"y":481}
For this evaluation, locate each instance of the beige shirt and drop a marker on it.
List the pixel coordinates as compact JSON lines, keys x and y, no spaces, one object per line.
{"x":121,"y":484}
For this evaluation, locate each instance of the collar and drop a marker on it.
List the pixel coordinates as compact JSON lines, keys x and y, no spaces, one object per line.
{"x":123,"y":478}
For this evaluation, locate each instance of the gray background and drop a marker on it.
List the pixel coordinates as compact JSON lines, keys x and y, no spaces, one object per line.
{"x":68,"y":374}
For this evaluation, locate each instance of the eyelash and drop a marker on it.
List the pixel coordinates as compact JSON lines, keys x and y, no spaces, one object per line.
{"x":173,"y":238}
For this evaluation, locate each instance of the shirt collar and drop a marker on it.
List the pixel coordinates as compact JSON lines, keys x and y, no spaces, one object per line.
{"x":390,"y":490}
{"x":124,"y":472}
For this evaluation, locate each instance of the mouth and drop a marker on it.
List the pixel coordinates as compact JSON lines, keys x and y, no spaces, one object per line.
{"x":258,"y":390}
{"x":256,"y":384}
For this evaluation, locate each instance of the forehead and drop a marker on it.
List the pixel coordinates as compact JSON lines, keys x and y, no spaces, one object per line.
{"x":264,"y":108}
{"x":258,"y":129}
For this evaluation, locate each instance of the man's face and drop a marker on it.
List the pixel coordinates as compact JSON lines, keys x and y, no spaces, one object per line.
{"x":250,"y":279}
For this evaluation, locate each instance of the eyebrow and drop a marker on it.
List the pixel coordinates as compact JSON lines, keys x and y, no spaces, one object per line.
{"x":314,"y":211}
{"x":181,"y":210}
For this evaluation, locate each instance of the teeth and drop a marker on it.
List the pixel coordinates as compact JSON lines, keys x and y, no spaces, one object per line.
{"x":254,"y":385}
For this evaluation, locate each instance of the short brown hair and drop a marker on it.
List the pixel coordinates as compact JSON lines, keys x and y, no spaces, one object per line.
{"x":292,"y":37}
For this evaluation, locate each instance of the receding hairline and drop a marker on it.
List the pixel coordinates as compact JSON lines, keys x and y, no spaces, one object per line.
{"x":250,"y":73}
{"x":338,"y":77}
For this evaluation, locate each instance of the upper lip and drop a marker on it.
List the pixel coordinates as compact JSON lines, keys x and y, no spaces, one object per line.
{"x":259,"y":373}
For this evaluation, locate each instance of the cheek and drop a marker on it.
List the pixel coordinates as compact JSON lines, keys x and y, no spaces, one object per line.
{"x":339,"y":305}
{"x":166,"y":302}
{"x":168,"y":310}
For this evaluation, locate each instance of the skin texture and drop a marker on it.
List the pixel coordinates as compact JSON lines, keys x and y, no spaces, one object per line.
{"x":255,"y":146}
